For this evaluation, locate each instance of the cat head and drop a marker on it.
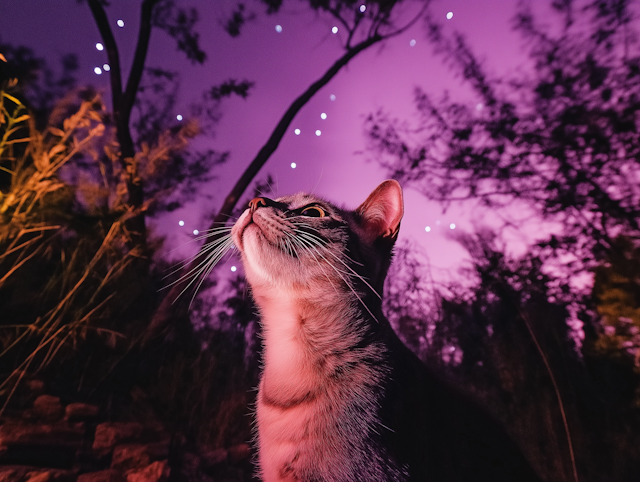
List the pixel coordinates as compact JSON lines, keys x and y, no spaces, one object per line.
{"x":303,"y":243}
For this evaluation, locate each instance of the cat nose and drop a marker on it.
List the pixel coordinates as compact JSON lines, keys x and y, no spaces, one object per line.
{"x":256,"y":202}
{"x":263,"y":202}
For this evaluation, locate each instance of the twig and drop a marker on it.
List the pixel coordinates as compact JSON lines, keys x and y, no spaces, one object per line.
{"x":557,"y":390}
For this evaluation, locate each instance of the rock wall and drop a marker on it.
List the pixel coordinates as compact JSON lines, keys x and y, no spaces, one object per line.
{"x":55,"y":442}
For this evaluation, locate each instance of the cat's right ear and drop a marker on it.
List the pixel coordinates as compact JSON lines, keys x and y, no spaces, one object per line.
{"x":382,"y":212}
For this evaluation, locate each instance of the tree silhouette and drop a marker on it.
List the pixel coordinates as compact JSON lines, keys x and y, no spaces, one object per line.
{"x":562,"y":139}
{"x":365,"y":28}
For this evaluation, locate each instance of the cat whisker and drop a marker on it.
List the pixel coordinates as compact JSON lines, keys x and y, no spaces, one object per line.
{"x":213,"y":252}
{"x":308,"y":235}
{"x":294,"y":241}
{"x":205,"y":271}
{"x":310,"y":246}
{"x":309,"y":228}
{"x":211,"y":246}
{"x":214,"y":231}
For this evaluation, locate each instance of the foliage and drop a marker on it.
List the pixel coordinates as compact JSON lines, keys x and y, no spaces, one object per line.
{"x":563,"y":139}
{"x":411,"y":300}
{"x":555,"y":364}
{"x":62,"y":231}
{"x":179,"y":23}
{"x":37,"y":84}
{"x":617,"y":298}
{"x":508,"y":341}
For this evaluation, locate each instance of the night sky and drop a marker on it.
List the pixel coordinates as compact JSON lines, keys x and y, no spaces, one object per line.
{"x":283,"y":54}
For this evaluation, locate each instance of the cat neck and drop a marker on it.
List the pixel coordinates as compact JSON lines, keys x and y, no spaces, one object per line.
{"x":305,"y":338}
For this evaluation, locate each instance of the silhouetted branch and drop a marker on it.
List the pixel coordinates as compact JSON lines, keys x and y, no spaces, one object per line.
{"x":165,"y":311}
{"x":139,"y":60}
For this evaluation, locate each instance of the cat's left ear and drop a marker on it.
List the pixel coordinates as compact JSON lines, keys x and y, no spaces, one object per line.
{"x":382,"y":212}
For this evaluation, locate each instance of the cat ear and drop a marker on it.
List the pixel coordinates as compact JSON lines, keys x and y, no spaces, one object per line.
{"x":382,"y":211}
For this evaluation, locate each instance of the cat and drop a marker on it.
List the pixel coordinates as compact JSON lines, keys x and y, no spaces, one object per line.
{"x":341,"y":398}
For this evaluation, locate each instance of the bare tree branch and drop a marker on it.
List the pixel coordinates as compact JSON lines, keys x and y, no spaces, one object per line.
{"x":115,"y":73}
{"x":165,"y":311}
{"x":139,"y":58}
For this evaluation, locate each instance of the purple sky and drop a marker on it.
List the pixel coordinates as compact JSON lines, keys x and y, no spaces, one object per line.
{"x":334,"y":164}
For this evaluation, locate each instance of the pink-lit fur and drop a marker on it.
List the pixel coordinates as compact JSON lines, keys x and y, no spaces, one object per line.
{"x":341,"y":398}
{"x":313,"y":419}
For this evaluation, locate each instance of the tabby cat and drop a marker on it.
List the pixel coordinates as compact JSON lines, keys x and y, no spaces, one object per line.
{"x":340,"y":397}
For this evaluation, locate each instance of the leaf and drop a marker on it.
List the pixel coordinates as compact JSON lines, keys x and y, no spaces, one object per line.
{"x":12,"y":98}
{"x":56,"y":132}
{"x":22,"y":118}
{"x":95,"y":116}
{"x":56,"y":149}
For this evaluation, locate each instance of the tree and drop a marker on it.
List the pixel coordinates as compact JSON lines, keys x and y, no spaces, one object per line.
{"x":365,"y":27}
{"x":563,"y":140}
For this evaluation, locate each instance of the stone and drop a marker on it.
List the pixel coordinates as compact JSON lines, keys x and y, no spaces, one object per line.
{"x":24,"y":473}
{"x":239,"y":452}
{"x":156,"y":472}
{"x":212,"y":457}
{"x":42,"y":445}
{"x":130,"y":456}
{"x":80,"y":412}
{"x":110,"y":434}
{"x":48,"y":408}
{"x":109,"y":475}
{"x":35,"y":386}
{"x":39,"y":477}
{"x":134,"y":456}
{"x":18,"y":433}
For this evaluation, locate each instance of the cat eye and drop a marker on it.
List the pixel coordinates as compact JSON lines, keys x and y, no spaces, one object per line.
{"x":314,"y":212}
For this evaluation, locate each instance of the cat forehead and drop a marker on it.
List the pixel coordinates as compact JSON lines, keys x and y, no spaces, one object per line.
{"x":301,"y":199}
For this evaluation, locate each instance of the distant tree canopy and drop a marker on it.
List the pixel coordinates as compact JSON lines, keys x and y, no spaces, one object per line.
{"x":562,"y":137}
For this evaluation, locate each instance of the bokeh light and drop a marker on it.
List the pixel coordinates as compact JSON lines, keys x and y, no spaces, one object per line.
{"x":297,"y":132}
{"x":106,"y":67}
{"x":293,"y":165}
{"x":97,"y":70}
{"x":363,"y":8}
{"x":334,"y":30}
{"x":412,"y":43}
{"x":196,"y":232}
{"x":332,"y":97}
{"x":452,"y":226}
{"x":120,"y":23}
{"x":318,"y":132}
{"x":234,"y":269}
{"x":323,"y":116}
{"x":99,"y":46}
{"x":181,"y":223}
{"x":427,"y":229}
{"x":278,"y":28}
{"x":449,"y":15}
{"x":179,"y":117}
